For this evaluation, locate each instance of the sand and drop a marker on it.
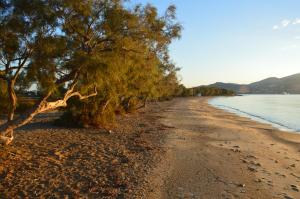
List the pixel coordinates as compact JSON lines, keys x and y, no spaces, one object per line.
{"x":47,"y":161}
{"x":183,"y":148}
{"x":215,"y":154}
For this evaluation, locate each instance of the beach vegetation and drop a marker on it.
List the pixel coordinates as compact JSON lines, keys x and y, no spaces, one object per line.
{"x":94,"y":58}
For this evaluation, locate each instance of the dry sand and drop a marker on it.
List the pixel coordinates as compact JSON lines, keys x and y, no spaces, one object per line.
{"x":199,"y":152}
{"x":215,"y":154}
{"x":46,"y":161}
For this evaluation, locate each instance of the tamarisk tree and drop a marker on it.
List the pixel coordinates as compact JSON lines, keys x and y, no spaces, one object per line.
{"x":53,"y":44}
{"x":138,"y":69}
{"x":83,"y":49}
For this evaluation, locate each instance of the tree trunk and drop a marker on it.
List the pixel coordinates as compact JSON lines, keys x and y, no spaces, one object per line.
{"x":7,"y":129}
{"x":12,"y":99}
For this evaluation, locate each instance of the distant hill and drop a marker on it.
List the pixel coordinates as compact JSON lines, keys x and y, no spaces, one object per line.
{"x":272,"y":85}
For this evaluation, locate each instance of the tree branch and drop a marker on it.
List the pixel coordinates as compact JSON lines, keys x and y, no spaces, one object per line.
{"x":82,"y":97}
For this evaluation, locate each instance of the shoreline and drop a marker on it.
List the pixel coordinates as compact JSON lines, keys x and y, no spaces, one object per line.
{"x":217,"y":154}
{"x":277,"y":125}
{"x":284,"y":135}
{"x":183,"y":148}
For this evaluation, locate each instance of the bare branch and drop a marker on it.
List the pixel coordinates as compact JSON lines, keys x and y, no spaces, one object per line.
{"x":82,"y":97}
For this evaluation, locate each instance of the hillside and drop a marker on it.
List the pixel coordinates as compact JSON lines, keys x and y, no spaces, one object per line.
{"x":272,"y":85}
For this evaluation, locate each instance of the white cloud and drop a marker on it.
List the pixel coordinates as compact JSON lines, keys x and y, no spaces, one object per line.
{"x":276,"y":27}
{"x":289,"y":47}
{"x":285,"y":23}
{"x":296,"y":21}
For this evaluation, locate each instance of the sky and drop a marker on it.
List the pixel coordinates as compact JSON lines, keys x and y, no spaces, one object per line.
{"x":239,"y":41}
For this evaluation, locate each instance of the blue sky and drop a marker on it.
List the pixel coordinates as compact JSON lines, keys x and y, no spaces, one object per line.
{"x":237,"y":41}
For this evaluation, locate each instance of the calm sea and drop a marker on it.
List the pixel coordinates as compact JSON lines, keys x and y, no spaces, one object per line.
{"x":282,"y":111}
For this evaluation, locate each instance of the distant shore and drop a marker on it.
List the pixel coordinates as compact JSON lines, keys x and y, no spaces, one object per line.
{"x":216,"y":154}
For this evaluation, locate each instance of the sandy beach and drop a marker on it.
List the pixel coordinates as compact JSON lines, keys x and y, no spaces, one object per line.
{"x":215,"y":154}
{"x":48,"y":161}
{"x":182,"y":148}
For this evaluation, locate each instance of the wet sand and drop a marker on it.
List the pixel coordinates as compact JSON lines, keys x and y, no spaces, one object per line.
{"x":215,"y":154}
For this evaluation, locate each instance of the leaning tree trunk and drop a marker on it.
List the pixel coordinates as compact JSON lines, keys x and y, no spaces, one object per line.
{"x":7,"y":129}
{"x":12,"y":99}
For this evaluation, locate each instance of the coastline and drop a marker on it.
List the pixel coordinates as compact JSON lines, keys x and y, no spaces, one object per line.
{"x":217,"y":154}
{"x":258,"y":118}
{"x":183,"y":148}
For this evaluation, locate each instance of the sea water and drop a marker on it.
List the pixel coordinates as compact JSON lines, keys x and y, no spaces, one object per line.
{"x":281,"y":111}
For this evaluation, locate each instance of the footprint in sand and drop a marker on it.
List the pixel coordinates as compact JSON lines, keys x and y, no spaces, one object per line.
{"x":252,"y":168}
{"x":294,"y":188}
{"x":236,"y":150}
{"x":279,"y":174}
{"x":294,"y":175}
{"x":258,"y":180}
{"x":293,"y":165}
{"x":255,"y":163}
{"x":251,"y":156}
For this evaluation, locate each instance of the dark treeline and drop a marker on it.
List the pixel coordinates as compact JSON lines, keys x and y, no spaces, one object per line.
{"x":207,"y":91}
{"x":96,"y":58}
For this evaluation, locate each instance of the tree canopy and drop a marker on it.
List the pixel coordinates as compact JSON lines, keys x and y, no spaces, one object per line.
{"x":110,"y":56}
{"x":206,"y":91}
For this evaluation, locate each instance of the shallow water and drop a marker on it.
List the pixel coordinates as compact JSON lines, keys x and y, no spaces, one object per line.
{"x":281,"y":111}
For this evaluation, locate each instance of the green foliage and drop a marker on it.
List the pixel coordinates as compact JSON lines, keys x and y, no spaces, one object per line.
{"x":122,"y":51}
{"x":25,"y":104}
{"x":206,"y":91}
{"x":137,"y":69}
